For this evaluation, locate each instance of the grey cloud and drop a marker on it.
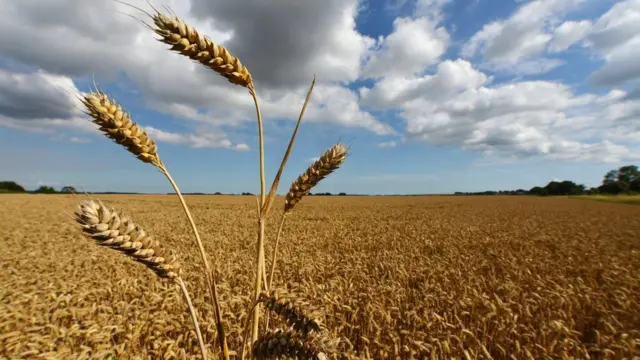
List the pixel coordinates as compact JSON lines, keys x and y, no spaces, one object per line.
{"x":34,"y":96}
{"x":278,"y":39}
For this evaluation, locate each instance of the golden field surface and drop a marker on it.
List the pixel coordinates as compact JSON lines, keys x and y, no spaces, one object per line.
{"x":433,"y":277}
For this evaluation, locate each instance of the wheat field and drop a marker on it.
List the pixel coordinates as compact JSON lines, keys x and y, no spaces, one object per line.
{"x":429,"y":277}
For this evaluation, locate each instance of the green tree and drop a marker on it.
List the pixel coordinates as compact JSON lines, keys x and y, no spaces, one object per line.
{"x":11,"y":186}
{"x":628,"y":178}
{"x":44,"y":189}
{"x":68,"y":189}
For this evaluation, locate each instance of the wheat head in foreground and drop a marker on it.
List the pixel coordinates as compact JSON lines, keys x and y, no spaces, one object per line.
{"x":117,"y":231}
{"x":321,"y":168}
{"x":292,"y":314}
{"x":287,"y":344}
{"x":189,"y":42}
{"x":118,"y":126}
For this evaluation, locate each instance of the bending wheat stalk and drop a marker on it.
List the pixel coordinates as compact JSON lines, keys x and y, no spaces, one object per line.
{"x":117,"y":125}
{"x":187,"y":41}
{"x":118,"y":232}
{"x":328,"y":162}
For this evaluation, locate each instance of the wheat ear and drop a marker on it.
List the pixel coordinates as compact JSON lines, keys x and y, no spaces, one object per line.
{"x":116,"y":124}
{"x":280,"y":344}
{"x":189,"y":42}
{"x":328,"y":162}
{"x":117,"y":231}
{"x":300,"y":322}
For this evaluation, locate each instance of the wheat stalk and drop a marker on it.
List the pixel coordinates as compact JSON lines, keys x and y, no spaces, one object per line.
{"x":117,"y":125}
{"x":328,"y":162}
{"x":186,"y":40}
{"x":189,"y":42}
{"x":109,"y":228}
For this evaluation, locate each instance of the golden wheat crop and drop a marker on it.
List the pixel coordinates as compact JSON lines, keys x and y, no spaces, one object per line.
{"x":391,"y":277}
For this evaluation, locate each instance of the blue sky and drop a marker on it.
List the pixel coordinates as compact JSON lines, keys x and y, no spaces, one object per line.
{"x":433,"y":96}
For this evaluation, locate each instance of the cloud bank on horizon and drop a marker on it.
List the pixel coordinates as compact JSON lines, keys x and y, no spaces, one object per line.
{"x":548,"y":79}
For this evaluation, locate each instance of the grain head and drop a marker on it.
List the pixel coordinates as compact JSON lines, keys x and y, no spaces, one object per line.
{"x":291,"y":313}
{"x":117,"y":231}
{"x":280,"y":344}
{"x":117,"y":125}
{"x":189,"y":42}
{"x":330,"y":160}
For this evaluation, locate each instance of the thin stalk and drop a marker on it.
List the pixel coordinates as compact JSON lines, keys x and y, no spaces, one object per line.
{"x":261,"y":220}
{"x":258,"y":285}
{"x":273,"y":263}
{"x":275,"y":251}
{"x":191,"y":222}
{"x":246,"y":330}
{"x":192,"y":311}
{"x":261,"y":144}
{"x":211,"y":283}
{"x":285,"y":158}
{"x":222,"y":336}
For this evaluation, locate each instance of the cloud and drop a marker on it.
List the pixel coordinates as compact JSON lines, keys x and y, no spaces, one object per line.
{"x":450,"y":78}
{"x":413,"y":45}
{"x":320,"y":38}
{"x":616,"y":38}
{"x":387,"y":144}
{"x":569,"y":33}
{"x":522,"y":38}
{"x":40,"y":102}
{"x":79,"y":140}
{"x":522,"y":119}
{"x":202,"y":139}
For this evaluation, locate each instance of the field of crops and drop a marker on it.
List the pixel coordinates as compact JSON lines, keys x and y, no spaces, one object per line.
{"x":391,"y":277}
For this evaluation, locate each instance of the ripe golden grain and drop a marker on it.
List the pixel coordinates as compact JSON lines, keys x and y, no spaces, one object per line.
{"x":117,"y":231}
{"x":189,"y":42}
{"x":117,"y":125}
{"x":328,"y":162}
{"x":291,"y":313}
{"x":278,"y":344}
{"x":392,"y":277}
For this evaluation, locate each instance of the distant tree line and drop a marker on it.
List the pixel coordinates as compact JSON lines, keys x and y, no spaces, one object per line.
{"x":13,"y":187}
{"x":624,"y":180}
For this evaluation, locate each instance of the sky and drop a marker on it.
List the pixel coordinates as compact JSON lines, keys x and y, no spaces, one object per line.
{"x":431,"y":96}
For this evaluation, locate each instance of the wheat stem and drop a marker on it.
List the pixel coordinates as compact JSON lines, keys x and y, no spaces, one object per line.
{"x":275,"y":251}
{"x":260,"y":244}
{"x":211,"y":283}
{"x":193,"y":317}
{"x":285,"y":158}
{"x":245,"y":330}
{"x":258,"y":284}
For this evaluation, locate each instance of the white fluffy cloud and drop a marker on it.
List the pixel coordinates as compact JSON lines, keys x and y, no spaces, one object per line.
{"x":413,"y":45}
{"x":616,"y":38}
{"x":516,"y":44}
{"x":202,"y":139}
{"x":450,"y":78}
{"x":569,"y":33}
{"x":77,"y":43}
{"x":524,"y":119}
{"x":439,"y":100}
